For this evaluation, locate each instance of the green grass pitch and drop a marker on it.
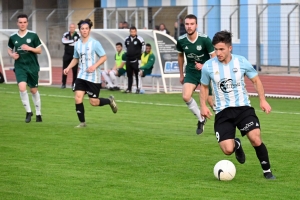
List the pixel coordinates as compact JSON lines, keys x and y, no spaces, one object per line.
{"x":148,"y":150}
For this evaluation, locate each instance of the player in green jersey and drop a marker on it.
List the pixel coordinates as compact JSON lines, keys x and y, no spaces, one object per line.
{"x":197,"y":48}
{"x":23,"y":47}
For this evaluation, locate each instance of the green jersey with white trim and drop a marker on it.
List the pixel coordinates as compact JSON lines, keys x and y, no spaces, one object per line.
{"x":195,"y":51}
{"x":27,"y":59}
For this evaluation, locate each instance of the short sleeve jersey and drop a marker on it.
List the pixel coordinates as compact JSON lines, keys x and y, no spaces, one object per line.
{"x":27,"y":59}
{"x":197,"y":51}
{"x":228,"y":81}
{"x":88,"y":54}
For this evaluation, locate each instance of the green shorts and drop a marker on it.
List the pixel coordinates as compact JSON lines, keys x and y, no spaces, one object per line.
{"x":121,"y":72}
{"x":194,"y":78}
{"x":25,"y":75}
{"x":146,"y":72}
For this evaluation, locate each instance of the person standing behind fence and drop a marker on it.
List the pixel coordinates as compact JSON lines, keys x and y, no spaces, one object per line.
{"x":69,"y":38}
{"x":135,"y":46}
{"x":23,"y":47}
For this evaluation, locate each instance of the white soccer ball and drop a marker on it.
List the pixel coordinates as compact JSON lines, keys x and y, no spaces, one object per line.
{"x":224,"y":170}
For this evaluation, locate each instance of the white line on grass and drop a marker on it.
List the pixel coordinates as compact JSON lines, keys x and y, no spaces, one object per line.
{"x":147,"y":103}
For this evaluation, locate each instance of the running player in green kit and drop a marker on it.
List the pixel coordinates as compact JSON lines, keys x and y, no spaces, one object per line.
{"x":23,"y":47}
{"x":197,"y":48}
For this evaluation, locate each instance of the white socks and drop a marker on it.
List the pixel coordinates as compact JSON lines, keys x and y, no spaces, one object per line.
{"x":25,"y":101}
{"x":140,"y":82}
{"x":37,"y":102}
{"x":107,"y":79}
{"x":113,"y":78}
{"x":192,"y":105}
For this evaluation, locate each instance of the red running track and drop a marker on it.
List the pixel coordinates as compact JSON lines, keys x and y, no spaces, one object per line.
{"x":273,"y":84}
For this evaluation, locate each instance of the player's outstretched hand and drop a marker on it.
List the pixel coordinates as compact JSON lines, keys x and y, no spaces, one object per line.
{"x":198,"y":66}
{"x":181,"y":79}
{"x":15,"y":55}
{"x":264,"y":105}
{"x":205,"y":112}
{"x":66,"y":71}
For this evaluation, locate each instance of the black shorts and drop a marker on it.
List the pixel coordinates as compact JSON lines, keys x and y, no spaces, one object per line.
{"x":92,"y":89}
{"x":226,"y":122}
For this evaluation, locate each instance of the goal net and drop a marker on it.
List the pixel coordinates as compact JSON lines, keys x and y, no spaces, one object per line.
{"x":7,"y":63}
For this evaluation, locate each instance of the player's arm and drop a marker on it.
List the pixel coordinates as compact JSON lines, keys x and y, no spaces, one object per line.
{"x":72,"y":64}
{"x":264,"y":105}
{"x":180,"y":63}
{"x":36,"y":50}
{"x":102,"y":59}
{"x":101,"y":53}
{"x":37,"y":46}
{"x":12,"y":54}
{"x":10,"y":48}
{"x":203,"y":94}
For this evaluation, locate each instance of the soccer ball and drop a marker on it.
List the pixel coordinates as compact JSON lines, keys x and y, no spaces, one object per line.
{"x":224,"y":170}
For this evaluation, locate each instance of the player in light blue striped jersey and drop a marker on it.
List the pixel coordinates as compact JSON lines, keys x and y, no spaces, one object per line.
{"x":233,"y":109}
{"x":90,"y":55}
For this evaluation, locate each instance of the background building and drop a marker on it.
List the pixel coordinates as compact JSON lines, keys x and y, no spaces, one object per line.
{"x":264,"y":31}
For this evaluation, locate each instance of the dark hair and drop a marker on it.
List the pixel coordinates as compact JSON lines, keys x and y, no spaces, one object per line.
{"x":132,"y":28}
{"x":148,"y":45}
{"x":119,"y":44}
{"x":191,"y":16}
{"x":22,"y":16}
{"x":222,"y":36}
{"x":86,"y":21}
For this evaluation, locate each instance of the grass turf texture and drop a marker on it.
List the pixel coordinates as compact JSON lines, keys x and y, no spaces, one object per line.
{"x":148,"y":150}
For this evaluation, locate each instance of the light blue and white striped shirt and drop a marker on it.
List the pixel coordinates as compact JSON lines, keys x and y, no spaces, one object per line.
{"x":88,"y":54}
{"x":228,"y":81}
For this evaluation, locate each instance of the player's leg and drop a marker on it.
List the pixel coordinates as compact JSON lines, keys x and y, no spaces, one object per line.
{"x":33,"y":81}
{"x":93,"y":93}
{"x":80,"y":89}
{"x":225,"y":134}
{"x":129,"y":72}
{"x":21,"y":77}
{"x":107,"y":79}
{"x":74,"y":73}
{"x":190,"y":83}
{"x":250,"y":126}
{"x":66,"y":62}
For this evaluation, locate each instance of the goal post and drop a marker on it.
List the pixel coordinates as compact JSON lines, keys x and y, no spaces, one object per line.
{"x":7,"y":63}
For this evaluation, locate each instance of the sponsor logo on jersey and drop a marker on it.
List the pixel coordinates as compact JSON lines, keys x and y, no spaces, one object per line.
{"x":195,"y":56}
{"x":227,"y":85}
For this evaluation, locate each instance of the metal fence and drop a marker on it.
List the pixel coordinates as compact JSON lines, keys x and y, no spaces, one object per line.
{"x":266,"y":34}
